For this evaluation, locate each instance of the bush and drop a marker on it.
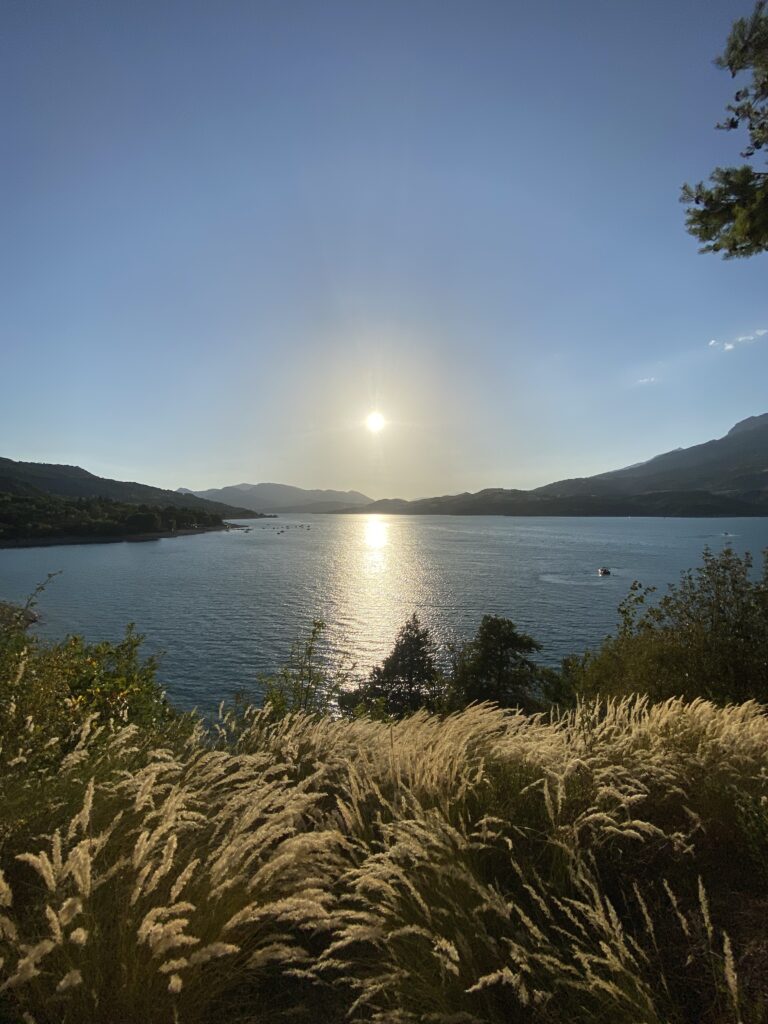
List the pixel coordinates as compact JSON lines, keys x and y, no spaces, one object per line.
{"x":48,"y":692}
{"x":306,"y":683}
{"x":707,"y":637}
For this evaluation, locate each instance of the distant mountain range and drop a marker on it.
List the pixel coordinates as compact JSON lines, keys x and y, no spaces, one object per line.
{"x":30,"y":478}
{"x":283,"y":498}
{"x":725,"y":477}
{"x":728,"y":476}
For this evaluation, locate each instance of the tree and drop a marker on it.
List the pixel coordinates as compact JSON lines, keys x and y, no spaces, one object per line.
{"x":730,"y":215}
{"x":143,"y":522}
{"x":307,"y":682}
{"x":707,"y":637}
{"x":496,"y":666}
{"x":408,"y":679}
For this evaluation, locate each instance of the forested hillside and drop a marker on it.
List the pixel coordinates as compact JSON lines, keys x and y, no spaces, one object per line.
{"x":74,"y":482}
{"x":43,"y":518}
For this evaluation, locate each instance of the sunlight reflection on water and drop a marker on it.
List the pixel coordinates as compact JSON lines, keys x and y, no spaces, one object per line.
{"x":376,"y":531}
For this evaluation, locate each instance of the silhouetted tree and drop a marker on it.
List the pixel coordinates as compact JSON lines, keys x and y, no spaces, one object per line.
{"x":496,"y":666}
{"x":730,"y":215}
{"x":408,"y":679}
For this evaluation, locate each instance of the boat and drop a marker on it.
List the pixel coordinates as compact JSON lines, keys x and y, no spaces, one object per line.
{"x":603,"y":571}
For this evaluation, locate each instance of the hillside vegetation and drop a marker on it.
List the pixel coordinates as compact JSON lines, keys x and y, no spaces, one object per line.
{"x":44,"y":517}
{"x":607,"y":863}
{"x":70,"y":482}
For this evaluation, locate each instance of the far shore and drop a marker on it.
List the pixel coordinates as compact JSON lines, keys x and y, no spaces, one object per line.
{"x":49,"y":542}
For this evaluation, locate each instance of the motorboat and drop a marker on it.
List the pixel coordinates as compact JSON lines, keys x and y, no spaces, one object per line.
{"x":603,"y":571}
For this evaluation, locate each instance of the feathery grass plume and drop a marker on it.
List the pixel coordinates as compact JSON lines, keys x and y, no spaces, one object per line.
{"x":6,"y":895}
{"x":70,"y":980}
{"x":484,"y":867}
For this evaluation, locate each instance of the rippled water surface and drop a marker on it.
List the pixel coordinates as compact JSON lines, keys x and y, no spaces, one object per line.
{"x":225,"y":607}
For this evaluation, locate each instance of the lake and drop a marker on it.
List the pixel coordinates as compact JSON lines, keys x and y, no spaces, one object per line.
{"x":225,"y":607}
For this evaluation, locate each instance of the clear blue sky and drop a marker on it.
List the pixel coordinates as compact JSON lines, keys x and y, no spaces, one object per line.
{"x":231,"y":229}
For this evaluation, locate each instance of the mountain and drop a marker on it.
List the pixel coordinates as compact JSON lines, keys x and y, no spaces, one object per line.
{"x":735,"y":465}
{"x":724,"y":477}
{"x":30,"y":478}
{"x":283,"y":498}
{"x":527,"y":503}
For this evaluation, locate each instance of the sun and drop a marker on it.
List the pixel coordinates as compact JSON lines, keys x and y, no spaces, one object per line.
{"x":375,"y":422}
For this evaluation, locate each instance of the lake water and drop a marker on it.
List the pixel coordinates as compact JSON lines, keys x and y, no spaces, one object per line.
{"x":225,"y":607}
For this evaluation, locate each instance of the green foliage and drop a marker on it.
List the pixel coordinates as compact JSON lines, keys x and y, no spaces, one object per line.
{"x":707,"y":637}
{"x":496,"y":666}
{"x":306,"y":683}
{"x":407,"y":680}
{"x":50,"y":691}
{"x":730,"y":215}
{"x":46,"y":517}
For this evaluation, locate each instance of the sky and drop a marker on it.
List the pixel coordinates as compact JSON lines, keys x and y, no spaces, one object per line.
{"x":231,"y":230}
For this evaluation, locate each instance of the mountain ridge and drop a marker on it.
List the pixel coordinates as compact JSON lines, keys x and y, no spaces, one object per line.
{"x":732,"y":464}
{"x":272,"y":497}
{"x":724,"y":476}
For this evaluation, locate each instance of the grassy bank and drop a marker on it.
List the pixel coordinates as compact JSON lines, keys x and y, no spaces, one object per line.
{"x":608,"y":864}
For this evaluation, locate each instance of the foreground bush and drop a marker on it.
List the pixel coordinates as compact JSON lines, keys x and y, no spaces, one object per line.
{"x":706,"y":637}
{"x":607,"y":865}
{"x":48,"y":691}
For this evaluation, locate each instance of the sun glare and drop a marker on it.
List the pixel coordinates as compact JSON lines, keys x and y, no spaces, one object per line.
{"x":375,"y":422}
{"x":376,"y":533}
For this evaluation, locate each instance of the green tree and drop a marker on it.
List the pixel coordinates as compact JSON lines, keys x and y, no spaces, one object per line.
{"x":496,"y":666}
{"x":707,"y":637}
{"x":143,"y":522}
{"x":730,"y":214}
{"x":306,"y":682}
{"x":407,"y":680}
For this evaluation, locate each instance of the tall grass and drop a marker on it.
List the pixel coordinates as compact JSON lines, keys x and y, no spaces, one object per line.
{"x":609,"y":864}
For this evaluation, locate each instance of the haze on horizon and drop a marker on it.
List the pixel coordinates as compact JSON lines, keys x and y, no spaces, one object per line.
{"x":232,"y":231}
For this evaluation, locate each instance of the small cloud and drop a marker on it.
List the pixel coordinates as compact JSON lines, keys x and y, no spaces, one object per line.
{"x":743,"y":339}
{"x":647,"y":380}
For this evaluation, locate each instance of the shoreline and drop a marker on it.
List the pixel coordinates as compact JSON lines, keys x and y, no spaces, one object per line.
{"x":760,"y":514}
{"x":137,"y":538}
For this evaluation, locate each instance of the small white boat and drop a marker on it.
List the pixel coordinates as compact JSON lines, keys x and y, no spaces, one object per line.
{"x":603,"y":571}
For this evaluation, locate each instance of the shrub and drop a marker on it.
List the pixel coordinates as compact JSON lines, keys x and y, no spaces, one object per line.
{"x":307,"y":682}
{"x":707,"y":637}
{"x":48,"y":692}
